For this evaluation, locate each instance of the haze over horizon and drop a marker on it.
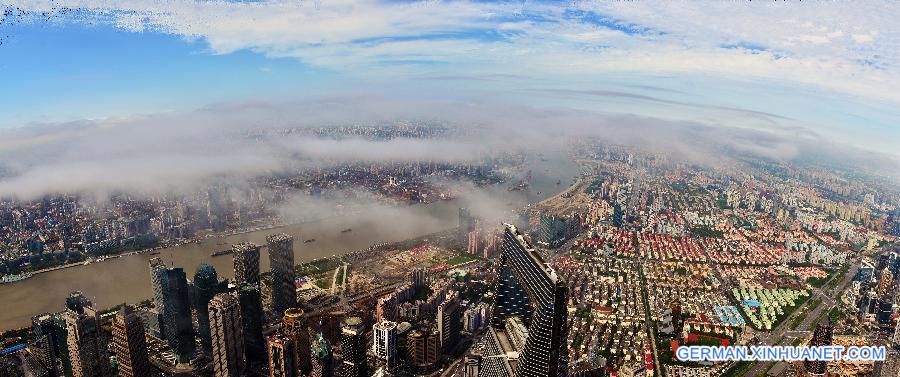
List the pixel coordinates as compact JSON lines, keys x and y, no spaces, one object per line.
{"x":99,"y":86}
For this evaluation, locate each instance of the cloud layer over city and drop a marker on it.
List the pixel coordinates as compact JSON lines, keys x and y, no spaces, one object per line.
{"x":185,"y":150}
{"x":784,"y":81}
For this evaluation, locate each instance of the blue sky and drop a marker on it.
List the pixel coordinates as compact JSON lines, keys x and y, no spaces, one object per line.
{"x":828,"y":68}
{"x":67,"y":72}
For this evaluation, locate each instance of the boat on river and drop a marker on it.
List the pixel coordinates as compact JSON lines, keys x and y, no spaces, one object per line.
{"x":221,"y":253}
{"x":6,"y":279}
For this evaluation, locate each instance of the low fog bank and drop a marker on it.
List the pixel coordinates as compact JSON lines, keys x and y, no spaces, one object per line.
{"x":491,"y":203}
{"x":239,"y":141}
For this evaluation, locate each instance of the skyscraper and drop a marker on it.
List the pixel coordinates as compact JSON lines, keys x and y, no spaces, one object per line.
{"x":45,"y":341}
{"x":206,"y":285}
{"x":496,"y":348}
{"x":384,"y":343}
{"x":216,"y":208}
{"x":61,"y":336}
{"x":552,"y":230}
{"x":423,"y":347}
{"x":156,"y":282}
{"x":353,"y":348}
{"x":866,"y":271}
{"x":130,"y":344}
{"x":512,"y":300}
{"x":882,"y":263}
{"x":86,"y":353}
{"x":883,"y":314}
{"x":251,"y":319}
{"x":179,"y":328}
{"x":466,"y":222}
{"x":449,"y":322}
{"x":895,"y":341}
{"x":281,"y":258}
{"x":77,"y":302}
{"x":321,"y":357}
{"x":296,"y":327}
{"x":282,"y":356}
{"x":893,"y":261}
{"x":246,"y":263}
{"x":226,"y":335}
{"x":886,"y":284}
{"x":528,"y":282}
{"x":822,"y":336}
{"x":418,"y":278}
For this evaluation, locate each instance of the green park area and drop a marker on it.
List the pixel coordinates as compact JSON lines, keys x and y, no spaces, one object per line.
{"x":764,"y":308}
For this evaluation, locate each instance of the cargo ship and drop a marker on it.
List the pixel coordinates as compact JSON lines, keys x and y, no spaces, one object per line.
{"x":221,"y":253}
{"x":347,"y":230}
{"x":6,"y":279}
{"x":522,"y":184}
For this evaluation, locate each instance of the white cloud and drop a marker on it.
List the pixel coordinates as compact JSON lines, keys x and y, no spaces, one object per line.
{"x":798,"y":49}
{"x":186,"y":150}
{"x":856,"y":46}
{"x":864,"y":38}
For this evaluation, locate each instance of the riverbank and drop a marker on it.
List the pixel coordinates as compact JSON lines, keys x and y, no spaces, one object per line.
{"x":196,"y":239}
{"x":127,"y":278}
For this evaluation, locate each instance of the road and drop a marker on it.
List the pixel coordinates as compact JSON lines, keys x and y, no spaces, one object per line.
{"x":457,"y":368}
{"x":783,"y":336}
{"x":647,"y":329}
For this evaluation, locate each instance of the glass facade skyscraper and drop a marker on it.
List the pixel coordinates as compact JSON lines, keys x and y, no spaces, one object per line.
{"x":176,"y":313}
{"x":83,"y":337}
{"x":206,"y":286}
{"x":321,"y":357}
{"x":353,"y":348}
{"x":251,"y":322}
{"x":295,"y":326}
{"x":246,"y":263}
{"x":530,"y":288}
{"x":45,"y":342}
{"x":822,"y":336}
{"x":281,"y":259}
{"x":130,"y":345}
{"x":227,"y":336}
{"x":156,"y":282}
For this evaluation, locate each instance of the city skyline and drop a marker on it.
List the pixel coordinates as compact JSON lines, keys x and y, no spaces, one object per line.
{"x":498,"y":300}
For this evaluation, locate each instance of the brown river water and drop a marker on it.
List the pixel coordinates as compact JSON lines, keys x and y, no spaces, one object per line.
{"x":127,"y":279}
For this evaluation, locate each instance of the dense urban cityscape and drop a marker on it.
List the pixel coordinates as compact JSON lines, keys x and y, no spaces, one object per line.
{"x":635,"y":255}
